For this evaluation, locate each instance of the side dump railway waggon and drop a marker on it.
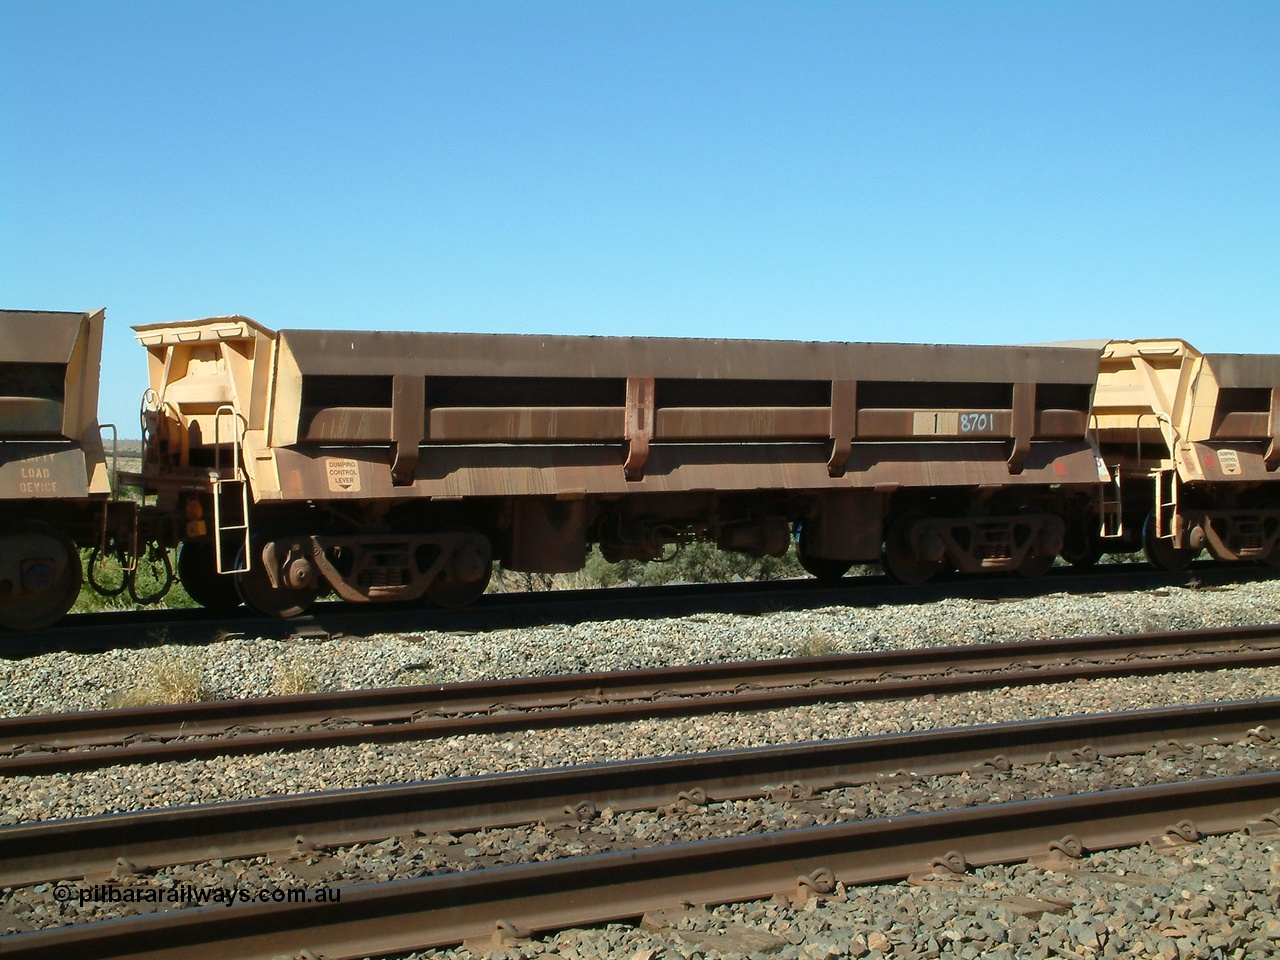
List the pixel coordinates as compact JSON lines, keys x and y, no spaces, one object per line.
{"x":392,"y":466}
{"x":374,"y":466}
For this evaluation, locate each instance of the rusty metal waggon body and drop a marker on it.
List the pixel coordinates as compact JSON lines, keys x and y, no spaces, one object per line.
{"x":55,"y":491}
{"x":394,"y":466}
{"x":1192,"y":441}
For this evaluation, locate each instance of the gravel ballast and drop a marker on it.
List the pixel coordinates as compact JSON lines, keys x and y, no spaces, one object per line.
{"x":1101,"y":916}
{"x":236,"y":668}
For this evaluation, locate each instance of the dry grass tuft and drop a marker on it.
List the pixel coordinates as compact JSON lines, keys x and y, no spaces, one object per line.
{"x":170,"y":676}
{"x":817,"y":644}
{"x":292,"y":678}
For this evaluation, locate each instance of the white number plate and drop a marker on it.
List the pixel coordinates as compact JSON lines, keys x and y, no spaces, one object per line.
{"x":977,"y":422}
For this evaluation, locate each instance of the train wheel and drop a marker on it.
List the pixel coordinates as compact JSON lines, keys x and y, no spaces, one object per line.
{"x":897,"y":556}
{"x":1082,"y":548}
{"x":288,"y":599}
{"x":1272,"y":559}
{"x":1160,"y":551}
{"x":823,"y":568}
{"x":198,"y":571}
{"x":1082,"y":559}
{"x":1034,"y":565}
{"x":463,"y":580}
{"x":40,"y":576}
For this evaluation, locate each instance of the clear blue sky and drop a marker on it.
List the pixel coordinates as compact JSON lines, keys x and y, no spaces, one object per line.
{"x":959,"y":172}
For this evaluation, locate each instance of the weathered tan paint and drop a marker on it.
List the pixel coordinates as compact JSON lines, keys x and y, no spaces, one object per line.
{"x":1164,"y":396}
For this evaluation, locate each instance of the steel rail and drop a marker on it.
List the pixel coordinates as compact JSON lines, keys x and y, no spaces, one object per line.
{"x":399,"y":714}
{"x":437,"y":911}
{"x":106,"y":630}
{"x":51,"y":850}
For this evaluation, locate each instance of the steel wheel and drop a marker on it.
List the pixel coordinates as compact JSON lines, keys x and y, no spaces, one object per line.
{"x":1083,"y":559}
{"x":896,"y":555}
{"x":823,"y":568}
{"x":1272,"y":559}
{"x":1082,"y":548}
{"x":1160,"y":550}
{"x":197,"y":569}
{"x":1034,"y":566}
{"x":449,"y":591}
{"x":255,"y":589}
{"x":40,"y":576}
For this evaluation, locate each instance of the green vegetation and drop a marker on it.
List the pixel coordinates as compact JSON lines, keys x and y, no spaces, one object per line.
{"x":695,"y":563}
{"x":150,"y":574}
{"x":149,"y":578}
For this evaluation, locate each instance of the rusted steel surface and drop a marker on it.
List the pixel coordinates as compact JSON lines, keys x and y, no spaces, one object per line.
{"x":443,"y":910}
{"x":54,"y":482}
{"x":32,"y":853}
{"x":338,"y":353}
{"x":413,"y":713}
{"x":303,"y":473}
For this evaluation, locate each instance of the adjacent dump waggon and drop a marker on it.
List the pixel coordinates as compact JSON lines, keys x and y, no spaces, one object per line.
{"x":55,"y":491}
{"x":1193,"y":442}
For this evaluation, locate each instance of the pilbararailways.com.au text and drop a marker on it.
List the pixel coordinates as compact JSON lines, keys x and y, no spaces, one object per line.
{"x":192,"y":894}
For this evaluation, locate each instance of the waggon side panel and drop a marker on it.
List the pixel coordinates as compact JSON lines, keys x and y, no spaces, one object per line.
{"x":1225,"y":462}
{"x":59,"y":330}
{"x":1244,"y":369}
{"x":571,"y":471}
{"x":340,"y":353}
{"x":49,"y":372}
{"x":1237,"y":404}
{"x":337,"y":388}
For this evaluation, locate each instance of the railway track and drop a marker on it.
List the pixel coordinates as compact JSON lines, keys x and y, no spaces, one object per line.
{"x":93,"y":739}
{"x":520,"y":899}
{"x":86,"y":632}
{"x":59,"y":849}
